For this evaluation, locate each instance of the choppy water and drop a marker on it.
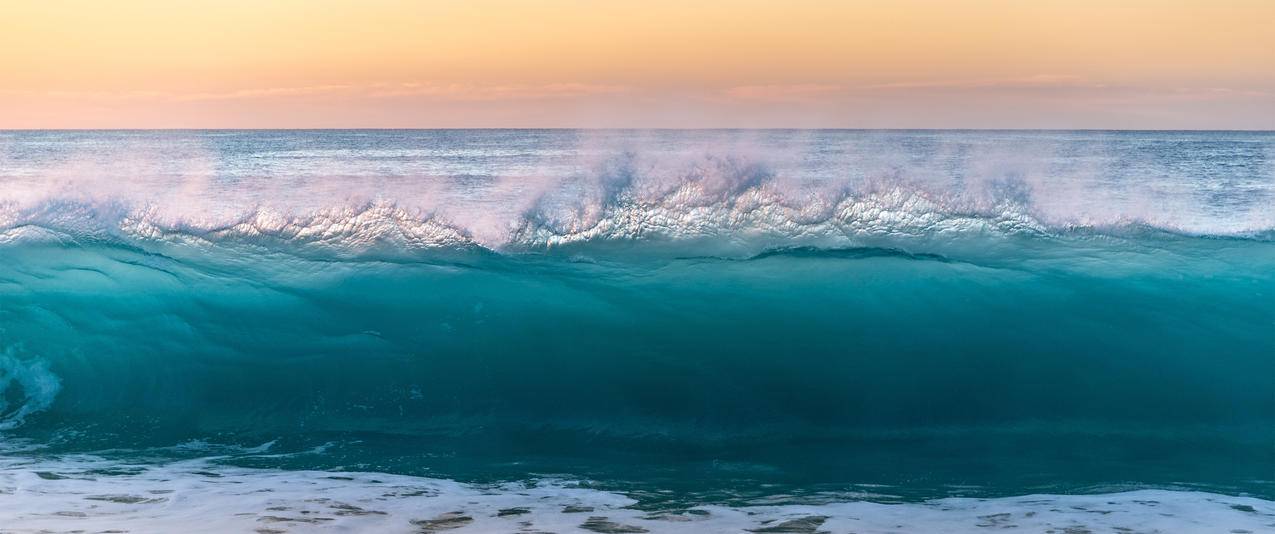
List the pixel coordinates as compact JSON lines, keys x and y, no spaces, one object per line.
{"x":680,"y":331}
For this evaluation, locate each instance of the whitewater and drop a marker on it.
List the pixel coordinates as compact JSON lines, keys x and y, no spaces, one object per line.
{"x":637,"y":331}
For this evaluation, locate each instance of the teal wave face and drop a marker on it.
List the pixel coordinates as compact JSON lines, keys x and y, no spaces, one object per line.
{"x":697,"y":316}
{"x":1068,"y":363}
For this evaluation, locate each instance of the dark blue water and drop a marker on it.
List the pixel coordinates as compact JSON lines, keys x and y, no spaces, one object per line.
{"x":686,"y":318}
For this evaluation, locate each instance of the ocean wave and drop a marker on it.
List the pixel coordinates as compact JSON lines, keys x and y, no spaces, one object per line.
{"x":677,"y":338}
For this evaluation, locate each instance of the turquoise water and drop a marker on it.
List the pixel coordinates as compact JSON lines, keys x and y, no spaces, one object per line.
{"x":686,"y":319}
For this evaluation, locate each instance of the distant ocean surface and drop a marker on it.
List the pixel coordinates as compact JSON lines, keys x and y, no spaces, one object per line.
{"x":637,"y":331}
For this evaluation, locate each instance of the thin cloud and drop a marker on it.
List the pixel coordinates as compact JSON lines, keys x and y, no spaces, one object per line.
{"x":810,"y":92}
{"x":457,"y":92}
{"x":477,"y":92}
{"x":1205,"y":93}
{"x":1030,"y":82}
{"x":1068,"y":85}
{"x":784,"y":92}
{"x":271,"y":92}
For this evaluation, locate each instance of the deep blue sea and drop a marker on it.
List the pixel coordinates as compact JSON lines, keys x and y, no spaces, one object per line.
{"x":637,"y":331}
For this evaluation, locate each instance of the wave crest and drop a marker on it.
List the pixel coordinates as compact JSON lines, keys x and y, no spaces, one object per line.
{"x":353,"y":228}
{"x":733,"y":204}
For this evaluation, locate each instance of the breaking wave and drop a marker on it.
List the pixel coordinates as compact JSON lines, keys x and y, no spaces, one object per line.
{"x":680,"y":340}
{"x":726,"y":204}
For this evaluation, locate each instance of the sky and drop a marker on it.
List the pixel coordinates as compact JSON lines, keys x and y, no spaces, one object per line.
{"x":1131,"y":64}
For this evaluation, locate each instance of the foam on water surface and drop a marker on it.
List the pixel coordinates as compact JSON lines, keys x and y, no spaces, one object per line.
{"x":89,"y":494}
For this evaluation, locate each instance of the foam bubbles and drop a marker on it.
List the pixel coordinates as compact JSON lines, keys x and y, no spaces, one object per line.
{"x":94,"y":494}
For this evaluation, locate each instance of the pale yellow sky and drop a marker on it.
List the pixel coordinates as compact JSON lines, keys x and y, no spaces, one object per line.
{"x":654,"y":63}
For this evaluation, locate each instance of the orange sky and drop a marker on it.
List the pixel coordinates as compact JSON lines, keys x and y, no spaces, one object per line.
{"x":654,"y":63}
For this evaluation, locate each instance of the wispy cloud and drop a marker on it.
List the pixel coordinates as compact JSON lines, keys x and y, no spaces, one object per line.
{"x":477,"y":92}
{"x":808,"y":92}
{"x":784,"y":93}
{"x":1205,"y":93}
{"x":269,"y":92}
{"x":438,"y":91}
{"x":1038,"y":81}
{"x":1064,"y":86}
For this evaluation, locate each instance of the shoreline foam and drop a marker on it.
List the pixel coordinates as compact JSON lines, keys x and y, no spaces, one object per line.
{"x":90,"y":493}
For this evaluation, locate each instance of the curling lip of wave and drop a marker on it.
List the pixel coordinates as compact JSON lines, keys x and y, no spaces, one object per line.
{"x":384,"y":226}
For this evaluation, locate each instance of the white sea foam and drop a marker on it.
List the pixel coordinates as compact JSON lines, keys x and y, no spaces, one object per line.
{"x":638,"y":189}
{"x":738,"y":218}
{"x":84,"y":493}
